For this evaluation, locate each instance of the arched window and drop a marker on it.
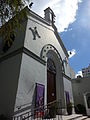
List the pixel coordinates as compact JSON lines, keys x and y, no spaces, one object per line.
{"x":51,"y":66}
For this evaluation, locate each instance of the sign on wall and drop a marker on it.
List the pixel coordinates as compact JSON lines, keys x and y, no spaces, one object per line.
{"x":34,"y":33}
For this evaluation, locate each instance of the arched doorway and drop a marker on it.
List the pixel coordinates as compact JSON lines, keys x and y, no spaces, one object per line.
{"x":54,"y":83}
{"x":51,"y":81}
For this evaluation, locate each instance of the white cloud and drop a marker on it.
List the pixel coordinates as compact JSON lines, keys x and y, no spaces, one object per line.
{"x":79,"y":73}
{"x":71,"y":53}
{"x":65,"y":11}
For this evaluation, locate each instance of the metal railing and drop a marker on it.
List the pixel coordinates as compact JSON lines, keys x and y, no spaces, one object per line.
{"x":50,"y":111}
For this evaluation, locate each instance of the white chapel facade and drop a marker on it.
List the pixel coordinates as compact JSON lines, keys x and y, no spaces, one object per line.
{"x":36,"y":57}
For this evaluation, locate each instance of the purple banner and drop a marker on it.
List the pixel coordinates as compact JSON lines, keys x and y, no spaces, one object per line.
{"x":39,"y":95}
{"x":67,"y":97}
{"x":39,"y":100}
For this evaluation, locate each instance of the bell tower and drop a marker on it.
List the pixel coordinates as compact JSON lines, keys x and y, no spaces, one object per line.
{"x":49,"y":15}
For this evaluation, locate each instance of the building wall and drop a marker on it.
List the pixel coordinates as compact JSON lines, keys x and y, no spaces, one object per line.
{"x":32,"y":69}
{"x":69,"y":71}
{"x":47,"y":35}
{"x":86,"y":71}
{"x":10,"y":63}
{"x":80,"y":87}
{"x":68,"y":88}
{"x":18,"y":42}
{"x":9,"y":76}
{"x":32,"y":72}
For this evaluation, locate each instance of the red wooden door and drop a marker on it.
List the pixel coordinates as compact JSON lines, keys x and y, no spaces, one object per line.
{"x":51,"y":86}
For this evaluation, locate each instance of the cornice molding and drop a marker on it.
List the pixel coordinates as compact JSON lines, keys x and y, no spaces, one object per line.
{"x":67,"y":77}
{"x":21,"y":51}
{"x":34,"y":56}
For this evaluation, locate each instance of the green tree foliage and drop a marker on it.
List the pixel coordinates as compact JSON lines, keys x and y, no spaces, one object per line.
{"x":14,"y":12}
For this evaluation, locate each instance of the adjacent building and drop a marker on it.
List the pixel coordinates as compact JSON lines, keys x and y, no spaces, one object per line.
{"x":86,"y":71}
{"x":81,"y":93}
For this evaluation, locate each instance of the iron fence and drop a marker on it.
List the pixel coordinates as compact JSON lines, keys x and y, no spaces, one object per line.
{"x":52,"y":110}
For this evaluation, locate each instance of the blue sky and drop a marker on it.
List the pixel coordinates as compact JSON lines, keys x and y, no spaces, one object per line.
{"x":72,"y":21}
{"x":77,"y":37}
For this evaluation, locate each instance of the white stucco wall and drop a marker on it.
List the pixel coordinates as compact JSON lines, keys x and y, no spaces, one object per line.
{"x":17,"y":89}
{"x":9,"y":75}
{"x":47,"y":35}
{"x":68,"y":88}
{"x":69,"y":71}
{"x":17,"y":43}
{"x":32,"y":72}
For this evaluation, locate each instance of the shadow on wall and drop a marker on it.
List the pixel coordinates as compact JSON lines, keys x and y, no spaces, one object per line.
{"x":3,"y":117}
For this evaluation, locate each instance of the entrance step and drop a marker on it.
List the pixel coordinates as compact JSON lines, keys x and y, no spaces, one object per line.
{"x":75,"y":117}
{"x":82,"y":118}
{"x":87,"y":119}
{"x":71,"y":117}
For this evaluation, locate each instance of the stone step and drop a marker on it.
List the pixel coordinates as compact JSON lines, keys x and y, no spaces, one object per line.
{"x":87,"y":119}
{"x":71,"y":117}
{"x":82,"y":118}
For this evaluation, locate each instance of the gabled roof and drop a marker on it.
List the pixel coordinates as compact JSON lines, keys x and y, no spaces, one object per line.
{"x":36,"y":16}
{"x":53,"y":27}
